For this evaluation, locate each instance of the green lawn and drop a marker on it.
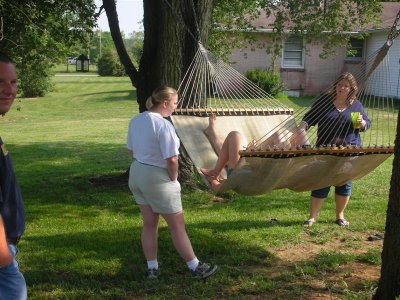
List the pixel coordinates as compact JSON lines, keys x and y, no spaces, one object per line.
{"x":71,"y":68}
{"x":82,"y":239}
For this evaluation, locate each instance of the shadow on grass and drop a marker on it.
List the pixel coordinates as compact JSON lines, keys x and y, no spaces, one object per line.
{"x":81,"y":81}
{"x":131,"y":96}
{"x":77,"y":174}
{"x":109,"y":264}
{"x":103,"y":259}
{"x":97,"y":261}
{"x":72,"y":173}
{"x":54,"y":171}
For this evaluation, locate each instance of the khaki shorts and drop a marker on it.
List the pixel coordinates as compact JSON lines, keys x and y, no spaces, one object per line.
{"x":152,"y":186}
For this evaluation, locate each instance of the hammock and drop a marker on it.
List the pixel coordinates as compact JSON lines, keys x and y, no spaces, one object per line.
{"x":282,"y":159}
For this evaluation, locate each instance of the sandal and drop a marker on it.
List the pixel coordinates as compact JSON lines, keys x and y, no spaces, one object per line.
{"x":342,"y":222}
{"x":308,"y":223}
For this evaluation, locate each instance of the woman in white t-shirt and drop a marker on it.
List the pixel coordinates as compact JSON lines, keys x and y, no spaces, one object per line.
{"x":154,"y":145}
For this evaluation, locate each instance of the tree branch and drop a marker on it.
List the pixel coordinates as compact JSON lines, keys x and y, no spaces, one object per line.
{"x":113,"y":22}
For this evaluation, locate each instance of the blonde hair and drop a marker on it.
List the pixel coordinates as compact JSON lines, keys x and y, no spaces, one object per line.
{"x":351,"y":97}
{"x":160,"y":94}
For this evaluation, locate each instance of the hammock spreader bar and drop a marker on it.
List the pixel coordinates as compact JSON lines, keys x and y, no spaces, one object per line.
{"x":210,"y":86}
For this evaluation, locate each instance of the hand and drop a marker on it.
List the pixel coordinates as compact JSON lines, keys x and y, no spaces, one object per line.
{"x":302,"y":126}
{"x":361,"y":121}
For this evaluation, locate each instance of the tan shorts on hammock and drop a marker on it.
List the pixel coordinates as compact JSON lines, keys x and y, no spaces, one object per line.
{"x":152,"y":186}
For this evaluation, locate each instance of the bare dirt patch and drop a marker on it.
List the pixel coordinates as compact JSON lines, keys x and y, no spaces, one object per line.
{"x":355,"y":277}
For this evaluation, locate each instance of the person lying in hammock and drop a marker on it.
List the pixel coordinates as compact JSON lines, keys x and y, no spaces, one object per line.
{"x":228,"y":150}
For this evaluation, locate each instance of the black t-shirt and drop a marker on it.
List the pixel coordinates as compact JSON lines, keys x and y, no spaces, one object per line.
{"x":11,"y":204}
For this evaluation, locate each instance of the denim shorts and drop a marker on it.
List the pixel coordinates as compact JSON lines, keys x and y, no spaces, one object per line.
{"x":12,"y":282}
{"x":343,"y":190}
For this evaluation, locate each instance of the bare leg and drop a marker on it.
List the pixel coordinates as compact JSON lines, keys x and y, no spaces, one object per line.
{"x":341,"y":203}
{"x":211,"y":134}
{"x":176,"y":225}
{"x":228,"y":156}
{"x":149,"y":232}
{"x":315,"y":207}
{"x":280,"y":138}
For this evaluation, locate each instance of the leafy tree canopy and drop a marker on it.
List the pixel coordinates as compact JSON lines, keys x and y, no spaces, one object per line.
{"x":36,"y":32}
{"x":44,"y":26}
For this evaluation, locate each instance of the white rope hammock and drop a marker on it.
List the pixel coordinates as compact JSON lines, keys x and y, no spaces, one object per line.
{"x":211,"y":86}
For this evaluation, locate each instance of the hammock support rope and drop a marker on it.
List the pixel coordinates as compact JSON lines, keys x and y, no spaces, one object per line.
{"x":281,"y":160}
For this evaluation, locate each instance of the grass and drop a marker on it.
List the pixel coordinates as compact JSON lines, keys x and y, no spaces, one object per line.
{"x":82,"y":239}
{"x":71,"y":69}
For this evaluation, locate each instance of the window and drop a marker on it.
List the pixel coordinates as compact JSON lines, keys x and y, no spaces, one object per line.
{"x":355,"y":49}
{"x":293,"y":53}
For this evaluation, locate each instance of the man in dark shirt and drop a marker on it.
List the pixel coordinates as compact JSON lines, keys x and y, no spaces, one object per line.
{"x":12,"y":219}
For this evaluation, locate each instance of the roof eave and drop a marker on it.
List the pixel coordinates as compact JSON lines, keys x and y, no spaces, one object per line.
{"x":271,"y":30}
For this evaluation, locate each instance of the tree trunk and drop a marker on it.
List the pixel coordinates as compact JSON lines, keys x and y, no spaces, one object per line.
{"x":197,"y":20}
{"x":112,"y":16}
{"x":161,"y":62}
{"x":389,"y":283}
{"x":172,"y":30}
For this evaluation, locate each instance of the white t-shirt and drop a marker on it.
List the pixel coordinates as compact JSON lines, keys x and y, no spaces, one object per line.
{"x":152,"y":139}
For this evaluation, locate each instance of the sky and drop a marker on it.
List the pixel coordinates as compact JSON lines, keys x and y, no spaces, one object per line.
{"x":130,"y":15}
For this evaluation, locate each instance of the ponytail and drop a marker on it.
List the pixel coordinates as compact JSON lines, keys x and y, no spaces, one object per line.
{"x":149,"y":103}
{"x":160,"y":94}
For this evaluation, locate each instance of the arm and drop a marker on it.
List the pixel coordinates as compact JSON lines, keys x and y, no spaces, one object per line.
{"x":5,"y":255}
{"x":172,"y":167}
{"x":300,"y":137}
{"x":363,"y":119}
{"x":317,"y":111}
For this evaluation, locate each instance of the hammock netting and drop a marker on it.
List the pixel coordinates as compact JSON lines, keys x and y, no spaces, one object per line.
{"x":283,"y":158}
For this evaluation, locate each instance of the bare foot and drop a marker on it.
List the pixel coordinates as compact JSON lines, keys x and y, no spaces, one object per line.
{"x":215,"y":185}
{"x":209,"y":174}
{"x":212,"y":178}
{"x":210,"y":130}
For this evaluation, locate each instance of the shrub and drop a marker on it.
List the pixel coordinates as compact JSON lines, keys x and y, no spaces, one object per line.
{"x":34,"y":77}
{"x":106,"y":64}
{"x":109,"y":65}
{"x":269,"y":81}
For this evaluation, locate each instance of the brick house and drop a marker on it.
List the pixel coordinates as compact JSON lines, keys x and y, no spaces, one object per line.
{"x":301,"y":68}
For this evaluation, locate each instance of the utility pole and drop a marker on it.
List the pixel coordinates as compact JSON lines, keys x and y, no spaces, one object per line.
{"x":99,"y":44}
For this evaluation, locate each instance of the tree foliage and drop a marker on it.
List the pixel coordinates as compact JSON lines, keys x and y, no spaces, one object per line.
{"x":309,"y":19}
{"x":99,"y":43}
{"x":134,"y":44}
{"x":37,"y":32}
